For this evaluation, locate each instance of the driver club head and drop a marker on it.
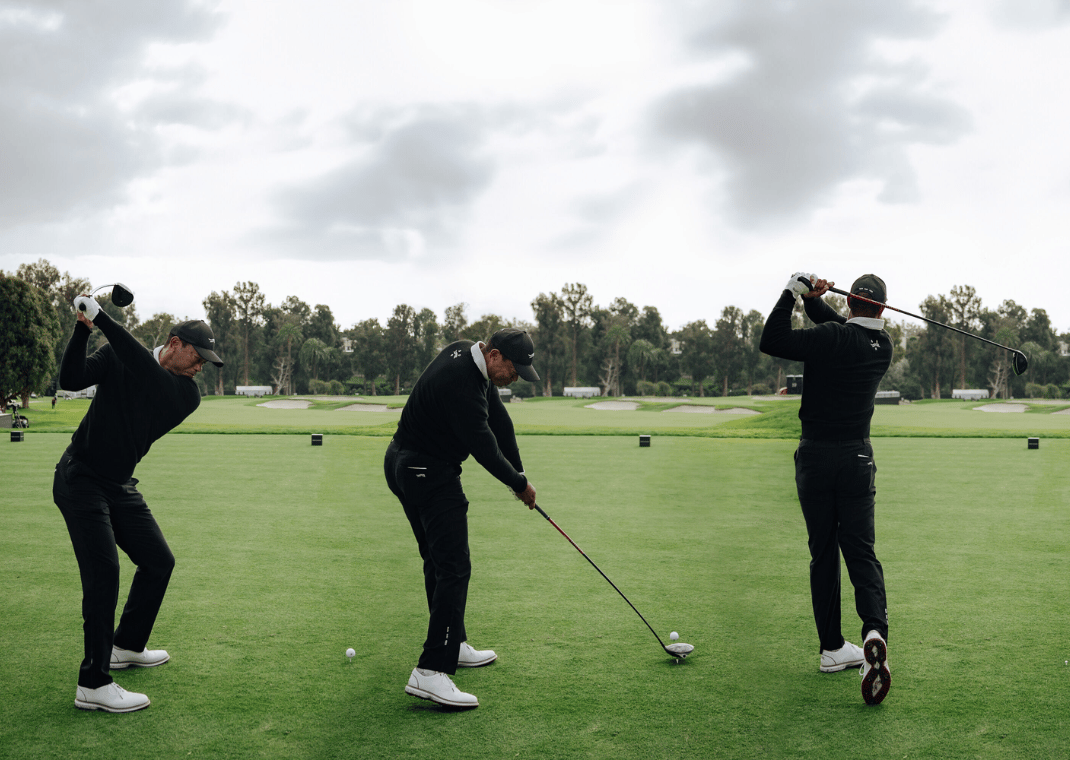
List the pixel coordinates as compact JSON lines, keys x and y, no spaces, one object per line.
{"x":679,"y":650}
{"x":1019,"y":362}
{"x":121,"y":295}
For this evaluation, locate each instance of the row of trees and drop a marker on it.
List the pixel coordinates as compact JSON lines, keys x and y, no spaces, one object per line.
{"x":621,"y":348}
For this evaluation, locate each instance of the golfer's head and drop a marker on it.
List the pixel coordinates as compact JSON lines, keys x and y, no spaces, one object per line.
{"x":199,"y":335}
{"x":871,"y":287}
{"x":516,"y":351}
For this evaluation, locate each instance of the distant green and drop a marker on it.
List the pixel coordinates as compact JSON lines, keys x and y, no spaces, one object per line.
{"x":564,"y":416}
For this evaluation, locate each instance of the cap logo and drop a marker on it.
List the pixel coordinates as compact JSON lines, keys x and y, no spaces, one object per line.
{"x":531,"y":356}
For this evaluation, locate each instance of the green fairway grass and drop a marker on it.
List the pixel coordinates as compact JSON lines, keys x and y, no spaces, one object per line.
{"x":287,"y":554}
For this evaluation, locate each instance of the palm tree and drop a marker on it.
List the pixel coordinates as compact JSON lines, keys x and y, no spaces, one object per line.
{"x":288,"y":332}
{"x":312,"y":353}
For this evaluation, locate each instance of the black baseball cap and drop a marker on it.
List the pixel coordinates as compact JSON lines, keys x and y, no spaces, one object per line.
{"x":870,"y":286}
{"x":516,"y":346}
{"x":201,"y":337}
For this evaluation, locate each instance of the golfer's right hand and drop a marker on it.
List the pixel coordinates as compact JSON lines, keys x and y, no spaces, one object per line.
{"x":85,"y":305}
{"x":528,"y":496}
{"x":796,"y":284}
{"x":821,"y":287}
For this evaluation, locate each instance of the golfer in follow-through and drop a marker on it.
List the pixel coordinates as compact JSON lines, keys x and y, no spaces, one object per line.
{"x":141,"y":395}
{"x":844,"y":361}
{"x":454,"y":410}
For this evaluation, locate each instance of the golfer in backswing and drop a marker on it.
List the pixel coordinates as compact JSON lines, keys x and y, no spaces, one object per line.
{"x":454,"y":410}
{"x":835,"y":473}
{"x":141,"y":395}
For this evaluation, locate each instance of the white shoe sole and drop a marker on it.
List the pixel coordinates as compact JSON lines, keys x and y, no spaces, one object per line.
{"x":479,"y":664}
{"x":83,"y":705}
{"x":420,"y":693}
{"x":842,"y":666}
{"x":133,"y":664}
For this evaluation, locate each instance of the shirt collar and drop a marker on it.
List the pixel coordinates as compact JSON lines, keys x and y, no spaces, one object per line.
{"x":870,"y":323}
{"x":477,"y":357}
{"x":156,"y":353}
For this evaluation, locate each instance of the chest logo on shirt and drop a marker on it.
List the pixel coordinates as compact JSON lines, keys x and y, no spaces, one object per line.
{"x":456,"y":354}
{"x":876,"y":345}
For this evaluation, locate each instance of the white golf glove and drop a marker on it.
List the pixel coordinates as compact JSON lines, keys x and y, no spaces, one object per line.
{"x":87,"y":305}
{"x":796,"y":286}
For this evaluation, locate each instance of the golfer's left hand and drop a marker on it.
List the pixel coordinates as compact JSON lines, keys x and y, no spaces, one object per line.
{"x":800,"y":283}
{"x":821,"y":287}
{"x":87,"y":309}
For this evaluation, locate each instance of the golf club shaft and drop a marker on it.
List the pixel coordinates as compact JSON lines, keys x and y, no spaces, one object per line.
{"x":596,"y":567}
{"x":925,"y":319}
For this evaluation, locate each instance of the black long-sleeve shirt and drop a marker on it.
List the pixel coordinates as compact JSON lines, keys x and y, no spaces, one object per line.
{"x":844,"y":362}
{"x":454,"y":411}
{"x":136,"y":403}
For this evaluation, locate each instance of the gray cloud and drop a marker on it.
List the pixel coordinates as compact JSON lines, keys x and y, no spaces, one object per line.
{"x":417,"y":173}
{"x":68,"y":149}
{"x":1031,"y":15}
{"x":813,"y":107}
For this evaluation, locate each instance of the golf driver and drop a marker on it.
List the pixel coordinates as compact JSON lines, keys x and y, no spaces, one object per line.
{"x":120,"y":294}
{"x":1019,"y":361}
{"x":678,"y":650}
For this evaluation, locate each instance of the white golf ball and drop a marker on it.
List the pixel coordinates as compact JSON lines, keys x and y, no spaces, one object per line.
{"x":351,"y":653}
{"x":674,"y":636}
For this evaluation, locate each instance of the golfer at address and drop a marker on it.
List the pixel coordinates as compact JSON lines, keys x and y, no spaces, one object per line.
{"x":454,"y":410}
{"x":141,"y":395}
{"x":844,"y":361}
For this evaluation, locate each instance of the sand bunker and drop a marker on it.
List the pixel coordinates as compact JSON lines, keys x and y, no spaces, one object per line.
{"x":367,"y":408}
{"x":693,"y":409}
{"x":1001,"y":408}
{"x":287,"y":404}
{"x":1063,"y":411}
{"x":615,"y":406}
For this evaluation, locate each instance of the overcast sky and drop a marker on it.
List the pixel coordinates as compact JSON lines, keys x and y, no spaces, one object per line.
{"x":683,"y":154}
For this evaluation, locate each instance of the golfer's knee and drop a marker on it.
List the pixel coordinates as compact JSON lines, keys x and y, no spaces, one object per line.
{"x":160,"y":566}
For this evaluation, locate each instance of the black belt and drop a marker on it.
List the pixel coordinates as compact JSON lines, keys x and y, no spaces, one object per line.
{"x":848,"y":442}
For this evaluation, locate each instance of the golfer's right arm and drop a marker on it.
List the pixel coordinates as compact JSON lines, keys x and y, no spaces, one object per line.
{"x":127,"y":348}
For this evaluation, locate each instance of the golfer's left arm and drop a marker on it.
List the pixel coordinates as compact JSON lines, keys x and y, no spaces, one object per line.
{"x":778,"y":337}
{"x":471,"y":424}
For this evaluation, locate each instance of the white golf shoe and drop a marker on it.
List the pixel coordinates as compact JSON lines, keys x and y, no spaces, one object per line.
{"x":110,"y":698}
{"x":847,"y":656}
{"x":474,"y":658}
{"x":438,"y":687}
{"x":146,"y":658}
{"x":876,"y":677}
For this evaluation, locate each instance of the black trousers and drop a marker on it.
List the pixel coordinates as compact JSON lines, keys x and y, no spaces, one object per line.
{"x":836,"y":485}
{"x":102,"y":518}
{"x":430,"y":492}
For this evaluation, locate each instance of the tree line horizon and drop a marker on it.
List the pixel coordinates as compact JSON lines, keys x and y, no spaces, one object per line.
{"x":621,"y":348}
